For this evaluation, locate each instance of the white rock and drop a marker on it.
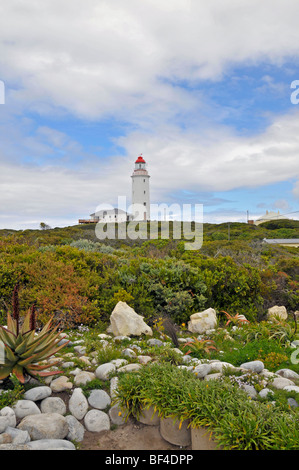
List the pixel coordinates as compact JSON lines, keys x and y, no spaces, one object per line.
{"x":119,"y":362}
{"x":200,"y":322}
{"x":104,"y":370}
{"x":280,"y":383}
{"x":277,"y":312}
{"x":96,"y":421}
{"x":202,"y":370}
{"x":130,"y":368}
{"x":45,"y":426}
{"x":125,"y":321}
{"x":83,"y":377}
{"x":37,"y":393}
{"x":113,"y":387}
{"x":61,"y":384}
{"x":291,"y":388}
{"x":78,"y":404}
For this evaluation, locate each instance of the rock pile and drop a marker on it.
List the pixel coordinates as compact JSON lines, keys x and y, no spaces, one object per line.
{"x":42,"y":419}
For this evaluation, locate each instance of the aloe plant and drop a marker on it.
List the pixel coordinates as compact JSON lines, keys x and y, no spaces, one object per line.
{"x":24,"y":348}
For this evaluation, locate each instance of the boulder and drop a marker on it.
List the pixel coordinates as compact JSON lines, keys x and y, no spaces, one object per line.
{"x":76,"y":429}
{"x":96,"y":421}
{"x":78,"y":404}
{"x":200,"y":322}
{"x":37,"y":393}
{"x":125,"y":321}
{"x":277,"y":312}
{"x":45,"y":426}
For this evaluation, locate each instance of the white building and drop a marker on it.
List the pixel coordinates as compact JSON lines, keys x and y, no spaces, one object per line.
{"x":111,"y":215}
{"x":140,"y":191}
{"x":269,"y":216}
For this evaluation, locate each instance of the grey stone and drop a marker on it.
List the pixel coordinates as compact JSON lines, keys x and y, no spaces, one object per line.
{"x":117,"y":415}
{"x":37,"y":393}
{"x":99,"y":399}
{"x":10,"y":414}
{"x":280,"y":383}
{"x":76,"y":429}
{"x":288,"y":374}
{"x":250,"y":390}
{"x":154,"y":342}
{"x":51,"y":444}
{"x":265,"y":392}
{"x":96,"y":421}
{"x":292,"y":402}
{"x":130,"y":368}
{"x":4,"y":422}
{"x":78,"y":404}
{"x":24,"y":408}
{"x":254,"y":366}
{"x":53,"y":405}
{"x":45,"y":426}
{"x":18,"y":436}
{"x":129,"y":352}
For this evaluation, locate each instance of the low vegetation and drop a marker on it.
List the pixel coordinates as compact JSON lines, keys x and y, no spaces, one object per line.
{"x":75,"y":281}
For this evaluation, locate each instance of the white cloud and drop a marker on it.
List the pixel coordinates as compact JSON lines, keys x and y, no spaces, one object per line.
{"x":112,"y":58}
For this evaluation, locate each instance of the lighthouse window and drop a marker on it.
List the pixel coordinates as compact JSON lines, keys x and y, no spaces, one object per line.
{"x":144,"y":192}
{"x":144,"y":203}
{"x":144,"y":180}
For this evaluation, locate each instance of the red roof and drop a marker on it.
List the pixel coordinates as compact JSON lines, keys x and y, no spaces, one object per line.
{"x":140,"y":160}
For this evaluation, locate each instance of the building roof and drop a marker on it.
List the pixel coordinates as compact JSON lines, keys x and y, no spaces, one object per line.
{"x":281,"y":240}
{"x":140,"y":159}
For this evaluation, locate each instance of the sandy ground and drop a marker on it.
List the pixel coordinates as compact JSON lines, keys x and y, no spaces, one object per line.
{"x":130,"y":436}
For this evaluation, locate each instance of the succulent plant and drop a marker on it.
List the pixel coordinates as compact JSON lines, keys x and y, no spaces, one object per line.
{"x":24,"y":348}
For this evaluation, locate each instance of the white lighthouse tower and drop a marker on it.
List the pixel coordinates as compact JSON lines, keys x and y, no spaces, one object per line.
{"x":140,"y":191}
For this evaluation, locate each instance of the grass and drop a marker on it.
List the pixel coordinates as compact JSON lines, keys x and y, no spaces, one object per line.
{"x":236,"y":421}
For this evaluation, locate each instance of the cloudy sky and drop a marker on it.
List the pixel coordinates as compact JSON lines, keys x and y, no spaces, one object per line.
{"x":203,"y":89}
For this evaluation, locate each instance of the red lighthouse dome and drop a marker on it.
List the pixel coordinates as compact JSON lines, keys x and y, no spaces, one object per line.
{"x":140,"y":159}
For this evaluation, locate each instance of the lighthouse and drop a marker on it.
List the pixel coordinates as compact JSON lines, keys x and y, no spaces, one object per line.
{"x":140,"y":191}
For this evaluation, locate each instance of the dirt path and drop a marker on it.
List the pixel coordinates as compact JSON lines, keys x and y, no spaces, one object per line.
{"x":131,"y":436}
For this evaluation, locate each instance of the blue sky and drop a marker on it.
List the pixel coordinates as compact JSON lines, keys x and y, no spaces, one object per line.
{"x":201,"y":89}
